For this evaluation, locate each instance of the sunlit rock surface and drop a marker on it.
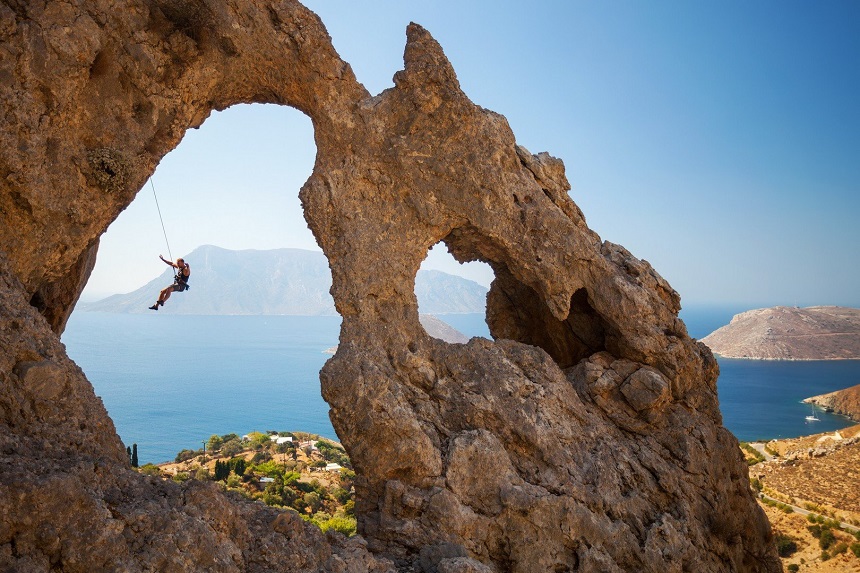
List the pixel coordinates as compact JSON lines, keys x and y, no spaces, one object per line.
{"x":586,"y":437}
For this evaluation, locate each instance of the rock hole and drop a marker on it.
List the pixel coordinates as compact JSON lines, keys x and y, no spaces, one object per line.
{"x":515,"y":311}
{"x":230,"y":192}
{"x":452,"y":296}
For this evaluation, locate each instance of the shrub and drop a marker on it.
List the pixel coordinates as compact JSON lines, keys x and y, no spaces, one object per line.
{"x":785,"y":545}
{"x":793,"y":568}
{"x":839,"y":548}
{"x":855,"y":548}
{"x":349,"y":511}
{"x":149,"y":469}
{"x":345,"y":525}
{"x":186,"y":455}
{"x":180,"y":477}
{"x":815,"y":530}
{"x":269,"y":468}
{"x":827,"y":538}
{"x":825,"y":556}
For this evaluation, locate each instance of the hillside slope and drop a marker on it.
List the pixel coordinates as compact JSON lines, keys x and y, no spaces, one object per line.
{"x":845,"y":402}
{"x":278,"y":281}
{"x":790,"y":333}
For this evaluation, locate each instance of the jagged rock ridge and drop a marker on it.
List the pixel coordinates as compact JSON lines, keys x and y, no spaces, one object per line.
{"x":790,"y":333}
{"x":277,"y":281}
{"x":586,"y":437}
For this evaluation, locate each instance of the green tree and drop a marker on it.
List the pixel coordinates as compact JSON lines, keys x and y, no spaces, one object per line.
{"x":313,"y":501}
{"x":238,"y":465}
{"x":231,"y":447}
{"x":222,"y":470}
{"x":134,"y":462}
{"x":258,"y":439}
{"x":827,"y":538}
{"x":215,"y":443}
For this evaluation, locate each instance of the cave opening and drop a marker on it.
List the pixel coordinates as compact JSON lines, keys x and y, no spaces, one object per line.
{"x":216,"y":359}
{"x":516,"y":311}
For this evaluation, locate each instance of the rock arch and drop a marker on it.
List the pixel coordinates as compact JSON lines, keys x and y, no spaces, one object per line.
{"x":587,"y":437}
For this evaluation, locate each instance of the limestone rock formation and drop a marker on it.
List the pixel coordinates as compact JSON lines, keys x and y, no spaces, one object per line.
{"x":845,"y":402}
{"x":790,"y":333}
{"x":586,"y":437}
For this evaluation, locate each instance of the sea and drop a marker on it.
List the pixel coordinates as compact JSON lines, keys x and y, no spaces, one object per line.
{"x":169,"y":382}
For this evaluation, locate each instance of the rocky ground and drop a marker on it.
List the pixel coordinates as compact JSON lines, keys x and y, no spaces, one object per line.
{"x":822,"y":469}
{"x":817,"y":474}
{"x":808,"y":555}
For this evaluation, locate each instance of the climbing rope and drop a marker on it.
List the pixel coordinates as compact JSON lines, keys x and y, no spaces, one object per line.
{"x":161,"y":218}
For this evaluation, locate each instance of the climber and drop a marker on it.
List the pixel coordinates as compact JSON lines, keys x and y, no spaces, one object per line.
{"x":180,"y":281}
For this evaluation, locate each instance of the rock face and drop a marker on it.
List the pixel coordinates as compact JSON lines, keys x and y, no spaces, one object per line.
{"x":586,"y":437}
{"x":845,"y":402}
{"x":790,"y":333}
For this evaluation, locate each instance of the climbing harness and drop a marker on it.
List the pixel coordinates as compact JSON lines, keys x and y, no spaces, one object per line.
{"x":180,"y":281}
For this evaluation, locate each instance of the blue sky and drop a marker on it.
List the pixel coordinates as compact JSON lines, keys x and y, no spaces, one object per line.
{"x":718,"y":141}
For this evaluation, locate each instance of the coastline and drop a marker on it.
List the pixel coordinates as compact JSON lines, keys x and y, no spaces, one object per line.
{"x":764,"y":359}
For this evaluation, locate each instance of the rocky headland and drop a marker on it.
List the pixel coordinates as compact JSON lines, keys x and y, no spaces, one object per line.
{"x":586,"y":436}
{"x":790,"y":333}
{"x":845,"y":402}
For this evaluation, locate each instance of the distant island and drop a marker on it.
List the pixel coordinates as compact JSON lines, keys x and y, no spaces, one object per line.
{"x":790,"y":333}
{"x":845,"y":402}
{"x":277,"y":282}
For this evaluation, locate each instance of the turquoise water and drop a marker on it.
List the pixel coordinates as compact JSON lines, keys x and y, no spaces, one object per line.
{"x":170,"y":382}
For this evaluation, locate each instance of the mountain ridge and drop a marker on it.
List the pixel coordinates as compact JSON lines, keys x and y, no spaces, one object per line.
{"x":790,"y":333}
{"x":283,"y":281}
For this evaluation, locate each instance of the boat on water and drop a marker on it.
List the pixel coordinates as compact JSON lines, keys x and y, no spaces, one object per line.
{"x":812,"y":417}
